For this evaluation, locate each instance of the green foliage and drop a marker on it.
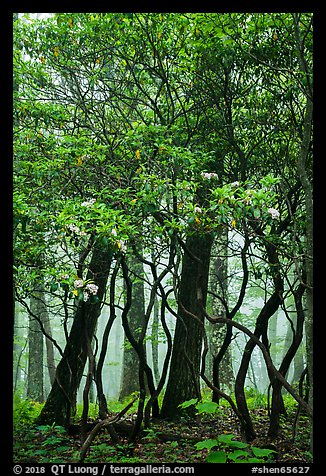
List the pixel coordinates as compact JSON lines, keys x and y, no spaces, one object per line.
{"x":25,"y":411}
{"x":226,"y":449}
{"x":51,"y":439}
{"x":255,"y":399}
{"x":206,"y":407}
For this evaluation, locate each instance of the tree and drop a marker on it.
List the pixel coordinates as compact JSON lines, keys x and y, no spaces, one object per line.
{"x":183,"y":383}
{"x":62,"y":398}
{"x":35,"y":387}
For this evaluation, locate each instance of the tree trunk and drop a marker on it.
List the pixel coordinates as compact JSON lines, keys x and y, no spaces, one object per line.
{"x":155,"y":341}
{"x":183,"y":383}
{"x":69,"y":371}
{"x":18,"y":348}
{"x":307,"y":187}
{"x":304,"y":176}
{"x":136,"y":319}
{"x":35,"y":387}
{"x":49,"y":345}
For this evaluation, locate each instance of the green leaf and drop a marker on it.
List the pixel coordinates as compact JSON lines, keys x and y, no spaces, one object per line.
{"x":206,"y":444}
{"x":261,"y":452}
{"x":216,"y":457}
{"x":104,"y":241}
{"x":53,"y":286}
{"x":207,"y":407}
{"x":41,"y":452}
{"x":62,"y":449}
{"x":237,"y":454}
{"x":188,"y":403}
{"x":256,"y":213}
{"x":228,"y":440}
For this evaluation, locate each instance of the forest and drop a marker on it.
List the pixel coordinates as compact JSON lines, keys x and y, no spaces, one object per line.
{"x":163,"y":238}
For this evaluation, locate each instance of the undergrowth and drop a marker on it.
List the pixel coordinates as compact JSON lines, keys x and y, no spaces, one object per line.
{"x":215,"y":428}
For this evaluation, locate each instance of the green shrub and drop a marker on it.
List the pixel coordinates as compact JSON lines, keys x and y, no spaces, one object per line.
{"x":225,"y":448}
{"x":24,"y":412}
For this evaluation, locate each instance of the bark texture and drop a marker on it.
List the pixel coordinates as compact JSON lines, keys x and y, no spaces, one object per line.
{"x":183,"y":383}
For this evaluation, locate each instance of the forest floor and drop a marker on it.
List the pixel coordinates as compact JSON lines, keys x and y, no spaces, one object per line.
{"x":164,"y":442}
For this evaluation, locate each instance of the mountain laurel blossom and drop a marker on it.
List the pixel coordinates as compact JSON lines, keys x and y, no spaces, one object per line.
{"x":79,"y":283}
{"x":91,"y":288}
{"x":86,"y":296}
{"x":273,"y":212}
{"x":209,"y":175}
{"x":75,"y":229}
{"x":88,"y":203}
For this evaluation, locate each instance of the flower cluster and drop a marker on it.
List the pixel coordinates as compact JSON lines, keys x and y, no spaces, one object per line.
{"x":209,"y":175}
{"x":79,"y":283}
{"x":88,"y":203}
{"x":90,"y":289}
{"x":235,"y":184}
{"x":273,"y":212}
{"x":75,"y":229}
{"x":198,"y":210}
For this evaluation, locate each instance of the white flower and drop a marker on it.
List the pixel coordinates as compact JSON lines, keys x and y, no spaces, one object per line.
{"x":114,"y":232}
{"x":79,"y":283}
{"x":235,"y":184}
{"x":88,"y":203}
{"x":209,"y":175}
{"x":65,"y":276}
{"x":74,"y":228}
{"x":273,"y":212}
{"x":91,"y":288}
{"x":198,"y":210}
{"x":86,"y":296}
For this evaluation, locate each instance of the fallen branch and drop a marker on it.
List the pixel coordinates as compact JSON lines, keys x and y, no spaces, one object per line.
{"x":102,"y":424}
